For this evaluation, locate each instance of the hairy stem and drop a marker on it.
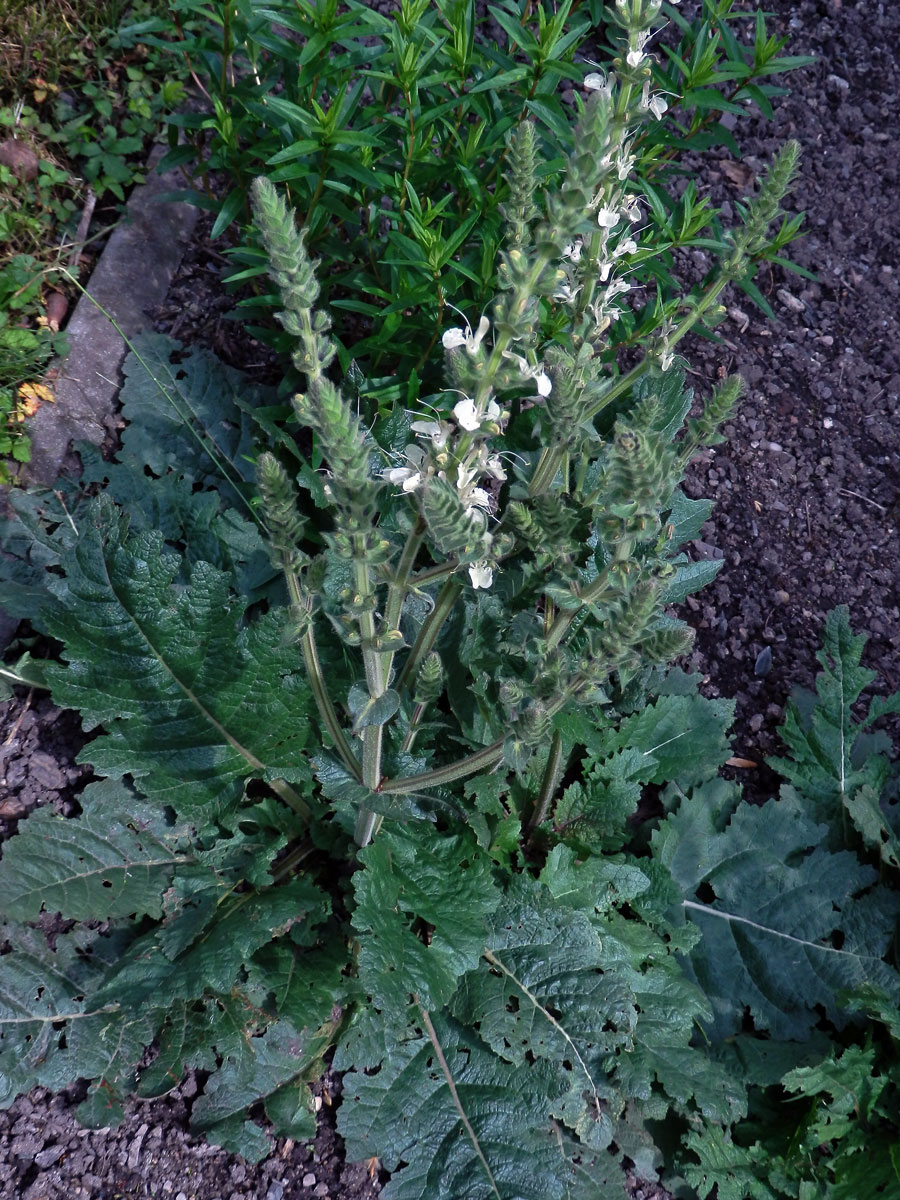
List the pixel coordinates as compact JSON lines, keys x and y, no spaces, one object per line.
{"x":548,"y":783}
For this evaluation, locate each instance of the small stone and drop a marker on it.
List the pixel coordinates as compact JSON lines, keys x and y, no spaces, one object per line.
{"x":276,"y":1191}
{"x":763,"y":662}
{"x":756,"y":722}
{"x":44,"y":771}
{"x":181,"y":1196}
{"x":309,"y":1180}
{"x":321,"y":1189}
{"x":47,"y":1157}
{"x":827,"y":423}
{"x":782,"y":596}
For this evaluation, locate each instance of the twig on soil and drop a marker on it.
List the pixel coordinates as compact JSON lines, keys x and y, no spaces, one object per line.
{"x":865,"y":499}
{"x":83,"y":226}
{"x":18,"y":721}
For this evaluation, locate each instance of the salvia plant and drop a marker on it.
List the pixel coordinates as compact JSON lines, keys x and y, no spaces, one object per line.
{"x":370,"y":741}
{"x":389,"y":135}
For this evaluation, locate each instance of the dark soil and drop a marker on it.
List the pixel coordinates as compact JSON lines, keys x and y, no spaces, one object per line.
{"x":806,"y":518}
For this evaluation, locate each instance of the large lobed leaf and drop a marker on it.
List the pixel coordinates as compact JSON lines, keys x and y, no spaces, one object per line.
{"x":116,"y":859}
{"x":194,"y":701}
{"x":450,"y":1119}
{"x":787,"y":925}
{"x":832,"y":765}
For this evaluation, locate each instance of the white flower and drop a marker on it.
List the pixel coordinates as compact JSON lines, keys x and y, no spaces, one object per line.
{"x":628,"y":246}
{"x":573,"y":251}
{"x":624,"y":163}
{"x":494,"y":468}
{"x":657,"y":104}
{"x":409,"y":477}
{"x":481,"y":573}
{"x":635,"y":55}
{"x":453,"y":338}
{"x":466,"y":415}
{"x":406,"y":476}
{"x":632,"y":210}
{"x":438,"y":431}
{"x":666,"y":359}
{"x":464,"y":476}
{"x":597,"y":82}
{"x":566,"y":293}
{"x":542,"y":379}
{"x":492,"y":412}
{"x":618,"y":287}
{"x":477,"y":498}
{"x":608,"y":218}
{"x":604,"y":270}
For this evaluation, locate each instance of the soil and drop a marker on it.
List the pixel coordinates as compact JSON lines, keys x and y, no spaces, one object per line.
{"x":807,"y":512}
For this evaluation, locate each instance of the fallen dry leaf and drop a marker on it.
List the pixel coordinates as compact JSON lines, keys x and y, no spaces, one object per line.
{"x":20,"y":159}
{"x":31,"y":397}
{"x":746,"y":763}
{"x":739,"y":173}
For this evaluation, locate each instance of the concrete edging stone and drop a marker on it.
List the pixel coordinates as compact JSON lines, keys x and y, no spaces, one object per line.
{"x":131,"y":278}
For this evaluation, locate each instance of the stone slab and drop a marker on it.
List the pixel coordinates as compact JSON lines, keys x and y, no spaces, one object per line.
{"x":132,"y":277}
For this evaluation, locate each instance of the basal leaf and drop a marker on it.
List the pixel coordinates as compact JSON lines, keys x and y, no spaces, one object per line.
{"x":409,"y":876}
{"x":786,"y":924}
{"x":824,"y":735}
{"x":114,"y":860}
{"x":182,"y":408}
{"x":727,"y":1171}
{"x":193,"y":702}
{"x":544,"y":992}
{"x":43,"y":994}
{"x":683,"y":737}
{"x":470,"y":1127}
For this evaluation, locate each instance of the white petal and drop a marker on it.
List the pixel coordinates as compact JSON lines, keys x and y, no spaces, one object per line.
{"x":474,"y":343}
{"x":492,"y":412}
{"x":607,"y":218}
{"x":595,"y":82}
{"x":428,"y":428}
{"x":481,"y":574}
{"x":453,"y":338}
{"x":466,"y":414}
{"x":410,"y":485}
{"x":478,"y":498}
{"x":634,"y":58}
{"x":398,"y":474}
{"x":658,"y":106}
{"x":494,"y":468}
{"x":544,"y":384}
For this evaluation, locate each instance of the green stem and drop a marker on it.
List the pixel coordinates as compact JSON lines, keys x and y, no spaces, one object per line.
{"x":415,"y":722}
{"x":428,"y":634}
{"x":367,"y":822}
{"x":320,"y":187}
{"x":409,"y":154}
{"x":317,"y":681}
{"x":480,"y":760}
{"x":548,"y":783}
{"x":399,"y":585}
